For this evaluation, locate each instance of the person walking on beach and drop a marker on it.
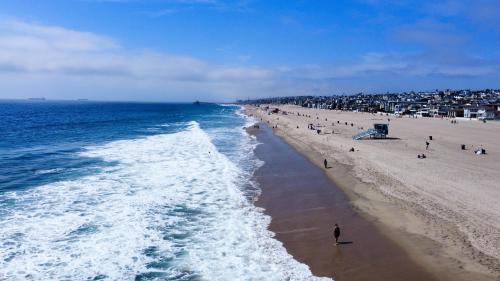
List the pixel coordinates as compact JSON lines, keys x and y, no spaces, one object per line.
{"x":325,"y":163}
{"x":426,"y":145}
{"x":336,"y":233}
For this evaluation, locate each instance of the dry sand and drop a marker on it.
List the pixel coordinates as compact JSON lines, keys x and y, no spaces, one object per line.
{"x":444,"y":210}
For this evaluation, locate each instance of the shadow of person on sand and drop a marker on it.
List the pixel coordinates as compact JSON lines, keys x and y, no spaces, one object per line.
{"x":386,"y":138}
{"x":345,"y":243}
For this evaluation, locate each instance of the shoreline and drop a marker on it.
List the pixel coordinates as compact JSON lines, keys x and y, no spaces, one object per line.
{"x":403,"y":223}
{"x":304,"y":204}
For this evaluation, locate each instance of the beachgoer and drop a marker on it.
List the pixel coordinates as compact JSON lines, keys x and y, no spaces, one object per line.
{"x":426,"y":145}
{"x":325,"y":163}
{"x":336,"y":233}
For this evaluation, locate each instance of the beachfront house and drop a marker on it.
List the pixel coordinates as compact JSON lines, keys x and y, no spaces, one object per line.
{"x":423,"y":112}
{"x":400,"y":109}
{"x":471,"y":112}
{"x":489,"y":112}
{"x":455,"y":112}
{"x":438,"y":110}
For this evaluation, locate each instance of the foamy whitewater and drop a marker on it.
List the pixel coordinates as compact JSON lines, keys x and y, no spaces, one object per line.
{"x":166,"y":206}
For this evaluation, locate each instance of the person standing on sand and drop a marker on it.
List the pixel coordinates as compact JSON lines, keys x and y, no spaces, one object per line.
{"x":426,"y":145}
{"x":325,"y":163}
{"x":336,"y":233}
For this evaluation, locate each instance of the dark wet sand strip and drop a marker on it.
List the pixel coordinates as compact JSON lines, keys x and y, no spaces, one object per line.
{"x":304,"y":204}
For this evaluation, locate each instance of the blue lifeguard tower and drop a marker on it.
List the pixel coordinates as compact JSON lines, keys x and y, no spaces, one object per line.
{"x":379,"y":131}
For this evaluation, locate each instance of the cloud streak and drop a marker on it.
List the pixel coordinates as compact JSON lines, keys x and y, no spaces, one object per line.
{"x":36,"y":48}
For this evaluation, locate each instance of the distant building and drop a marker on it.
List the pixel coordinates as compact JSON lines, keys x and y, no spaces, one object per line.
{"x":471,"y":112}
{"x":423,"y":112}
{"x":489,"y":112}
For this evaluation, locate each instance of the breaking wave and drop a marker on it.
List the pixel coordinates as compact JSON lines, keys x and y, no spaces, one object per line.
{"x":168,"y":207}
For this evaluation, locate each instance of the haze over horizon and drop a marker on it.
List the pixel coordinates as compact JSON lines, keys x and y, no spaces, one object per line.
{"x":214,"y":50}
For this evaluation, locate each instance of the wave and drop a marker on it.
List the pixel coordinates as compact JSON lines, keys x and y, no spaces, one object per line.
{"x":249,"y":120}
{"x":171,"y":207}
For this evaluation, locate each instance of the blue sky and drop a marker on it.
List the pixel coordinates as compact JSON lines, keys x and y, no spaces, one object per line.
{"x":180,"y":50}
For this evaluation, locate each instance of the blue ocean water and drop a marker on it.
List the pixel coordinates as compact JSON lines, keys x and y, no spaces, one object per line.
{"x":40,"y":141}
{"x":132,"y":191}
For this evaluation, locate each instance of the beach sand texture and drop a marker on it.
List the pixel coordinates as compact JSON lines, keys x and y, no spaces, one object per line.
{"x":445,"y":209}
{"x":304,"y":204}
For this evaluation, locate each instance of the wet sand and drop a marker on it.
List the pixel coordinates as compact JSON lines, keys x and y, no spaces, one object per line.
{"x":304,"y":205}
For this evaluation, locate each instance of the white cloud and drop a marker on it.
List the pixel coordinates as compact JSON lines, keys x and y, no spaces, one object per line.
{"x":25,"y":36}
{"x":55,"y":62}
{"x":38,"y":50}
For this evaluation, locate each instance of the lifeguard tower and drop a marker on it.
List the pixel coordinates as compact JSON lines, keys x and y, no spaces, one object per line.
{"x":379,"y":131}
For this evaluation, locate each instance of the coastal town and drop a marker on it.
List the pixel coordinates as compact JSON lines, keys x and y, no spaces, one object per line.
{"x":468,"y":104}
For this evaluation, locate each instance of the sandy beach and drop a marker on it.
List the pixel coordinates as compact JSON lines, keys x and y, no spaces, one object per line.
{"x":304,"y":204}
{"x":442,"y":211}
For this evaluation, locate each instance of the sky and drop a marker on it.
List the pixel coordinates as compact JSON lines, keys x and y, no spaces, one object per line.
{"x":216,"y":50}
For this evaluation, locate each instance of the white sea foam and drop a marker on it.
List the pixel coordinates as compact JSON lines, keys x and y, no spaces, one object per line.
{"x":250,"y":120}
{"x":171,"y":208}
{"x":49,"y":171}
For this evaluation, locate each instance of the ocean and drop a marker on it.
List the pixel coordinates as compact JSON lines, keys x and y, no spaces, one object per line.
{"x":133,"y":191}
